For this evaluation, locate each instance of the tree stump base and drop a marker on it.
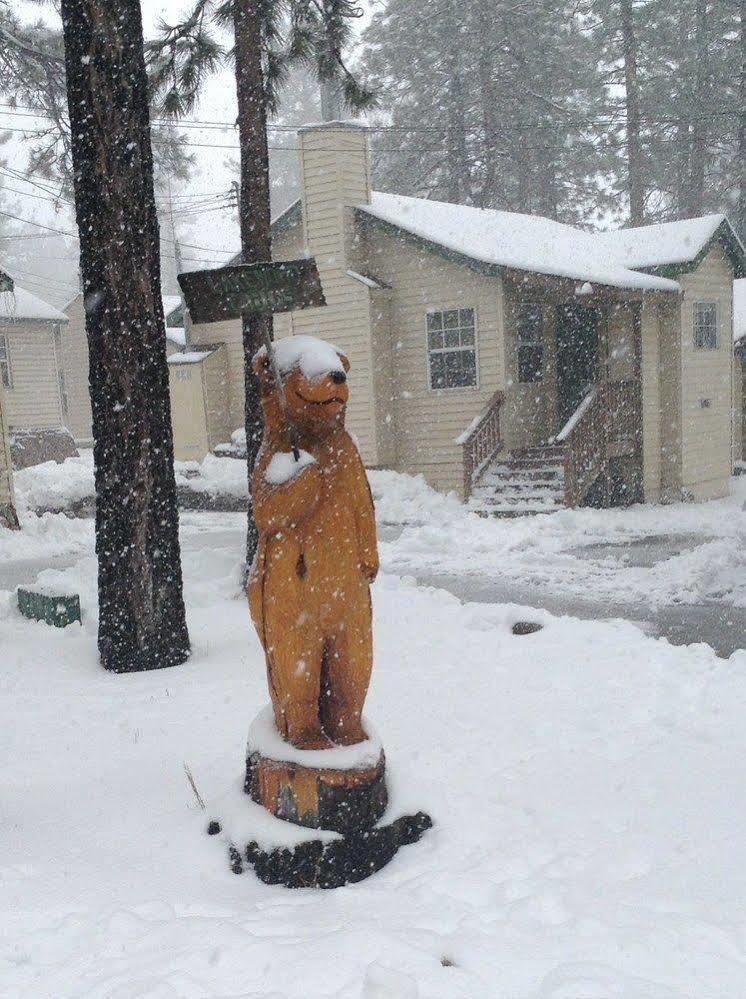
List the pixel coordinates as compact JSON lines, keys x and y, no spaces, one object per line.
{"x":320,"y":864}
{"x":341,"y":790}
{"x":343,"y":801}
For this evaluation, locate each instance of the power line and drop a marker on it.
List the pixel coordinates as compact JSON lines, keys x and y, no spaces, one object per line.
{"x":16,"y":218}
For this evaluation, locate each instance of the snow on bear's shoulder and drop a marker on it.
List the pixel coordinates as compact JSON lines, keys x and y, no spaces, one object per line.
{"x":282,"y":466}
{"x":314,"y":357}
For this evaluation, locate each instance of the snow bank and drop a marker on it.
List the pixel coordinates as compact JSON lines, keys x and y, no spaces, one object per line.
{"x":53,"y":486}
{"x":585,"y":783}
{"x":214,"y":476}
{"x":408,"y":499}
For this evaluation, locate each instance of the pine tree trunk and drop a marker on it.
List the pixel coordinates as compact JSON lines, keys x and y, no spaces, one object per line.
{"x":635,"y":183}
{"x":485,"y":17}
{"x":142,"y":624}
{"x":742,"y":128}
{"x":254,"y":209}
{"x":457,"y":156}
{"x":695,"y":201}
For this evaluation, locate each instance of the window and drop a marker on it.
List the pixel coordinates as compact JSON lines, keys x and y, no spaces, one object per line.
{"x":705,"y":325}
{"x":5,"y":374}
{"x":451,"y":348}
{"x":529,"y":324}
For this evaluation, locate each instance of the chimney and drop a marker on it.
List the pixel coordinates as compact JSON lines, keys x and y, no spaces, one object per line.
{"x":335,"y":176}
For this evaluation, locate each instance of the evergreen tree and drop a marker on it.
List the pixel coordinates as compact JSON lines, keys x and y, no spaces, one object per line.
{"x":141,"y":610}
{"x":484,"y":104}
{"x":269,"y":37}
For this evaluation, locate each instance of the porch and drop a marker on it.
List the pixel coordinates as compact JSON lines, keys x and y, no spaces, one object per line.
{"x":568,"y":430}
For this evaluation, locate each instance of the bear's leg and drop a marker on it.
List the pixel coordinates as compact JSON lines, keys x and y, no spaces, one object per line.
{"x":294,"y":659}
{"x":349,"y":660}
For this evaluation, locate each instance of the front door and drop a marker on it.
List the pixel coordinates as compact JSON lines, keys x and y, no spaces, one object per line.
{"x":577,"y":357}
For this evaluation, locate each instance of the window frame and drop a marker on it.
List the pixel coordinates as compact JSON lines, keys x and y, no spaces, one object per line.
{"x":695,"y":306}
{"x":6,"y":368}
{"x":531,"y":344}
{"x":441,"y":310}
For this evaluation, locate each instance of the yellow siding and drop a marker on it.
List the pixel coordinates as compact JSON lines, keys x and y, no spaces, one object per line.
{"x":75,"y":364}
{"x":188,"y":411}
{"x":670,"y":401}
{"x":229,"y":334}
{"x":738,"y":414}
{"x":650,"y":330}
{"x":215,"y":381}
{"x":428,"y":421}
{"x":34,"y":398}
{"x":706,"y":383}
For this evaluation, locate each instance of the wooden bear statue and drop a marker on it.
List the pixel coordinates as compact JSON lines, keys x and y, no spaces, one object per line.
{"x":309,"y":585}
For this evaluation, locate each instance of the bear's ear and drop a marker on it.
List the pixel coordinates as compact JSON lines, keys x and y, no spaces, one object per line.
{"x":345,"y":362}
{"x":261,"y":368}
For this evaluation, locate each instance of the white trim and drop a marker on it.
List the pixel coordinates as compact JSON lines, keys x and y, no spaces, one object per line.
{"x":452,"y":388}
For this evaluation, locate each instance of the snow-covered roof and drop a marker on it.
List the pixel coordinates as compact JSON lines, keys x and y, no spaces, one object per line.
{"x":177,"y":335}
{"x":509,"y":239}
{"x":651,"y":246}
{"x":170,"y":304}
{"x":739,"y":309}
{"x":22,"y":304}
{"x":190,"y":357}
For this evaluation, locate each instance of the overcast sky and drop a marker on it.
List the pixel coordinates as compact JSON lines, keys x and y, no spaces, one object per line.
{"x":56,"y":259}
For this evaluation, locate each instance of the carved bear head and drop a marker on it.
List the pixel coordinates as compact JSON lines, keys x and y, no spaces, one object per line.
{"x":314,"y":376}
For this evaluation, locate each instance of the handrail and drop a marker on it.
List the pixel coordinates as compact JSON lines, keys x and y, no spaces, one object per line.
{"x":586,"y":454}
{"x":481,"y":441}
{"x":576,"y":416}
{"x":605,"y":424}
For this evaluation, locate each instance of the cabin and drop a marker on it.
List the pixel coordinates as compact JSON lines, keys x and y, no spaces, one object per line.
{"x":32,"y":374}
{"x":525,"y":364}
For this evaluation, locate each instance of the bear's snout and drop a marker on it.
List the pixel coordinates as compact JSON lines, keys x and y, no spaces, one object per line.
{"x":338,"y":377}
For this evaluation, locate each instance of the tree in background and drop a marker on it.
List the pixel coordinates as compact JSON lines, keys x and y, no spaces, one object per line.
{"x":482,"y":103}
{"x":269,"y":36}
{"x":573,"y":111}
{"x":142,"y":621}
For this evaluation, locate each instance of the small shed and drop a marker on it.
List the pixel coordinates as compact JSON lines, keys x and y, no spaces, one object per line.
{"x":198,"y":382}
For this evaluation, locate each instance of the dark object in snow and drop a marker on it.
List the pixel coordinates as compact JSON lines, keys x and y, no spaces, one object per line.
{"x":142,"y":621}
{"x":262,"y":288}
{"x":317,"y":864}
{"x":345,"y":801}
{"x":213,"y":828}
{"x":59,"y":611}
{"x":526,"y":627}
{"x":32,"y":447}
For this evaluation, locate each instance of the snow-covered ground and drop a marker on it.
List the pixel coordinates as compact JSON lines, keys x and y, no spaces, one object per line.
{"x":585,"y":783}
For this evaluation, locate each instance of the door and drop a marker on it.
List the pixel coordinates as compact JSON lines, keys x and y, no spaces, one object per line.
{"x":577,"y":357}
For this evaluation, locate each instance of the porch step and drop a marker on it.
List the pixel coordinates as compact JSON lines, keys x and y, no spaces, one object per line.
{"x":522,"y":483}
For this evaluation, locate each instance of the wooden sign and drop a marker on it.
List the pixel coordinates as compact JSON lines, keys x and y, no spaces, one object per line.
{"x":264,"y":288}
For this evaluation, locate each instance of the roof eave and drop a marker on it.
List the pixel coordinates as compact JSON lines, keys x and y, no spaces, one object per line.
{"x":726,"y":235}
{"x":452,"y":256}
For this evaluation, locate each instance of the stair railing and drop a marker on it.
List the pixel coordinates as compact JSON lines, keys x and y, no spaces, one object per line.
{"x":585,"y":436}
{"x":481,"y":442}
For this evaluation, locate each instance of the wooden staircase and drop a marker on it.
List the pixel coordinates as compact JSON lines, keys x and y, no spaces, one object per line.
{"x":574,"y":470}
{"x":522,"y":482}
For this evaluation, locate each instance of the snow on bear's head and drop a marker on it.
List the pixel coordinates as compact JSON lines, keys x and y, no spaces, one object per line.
{"x":314,"y":377}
